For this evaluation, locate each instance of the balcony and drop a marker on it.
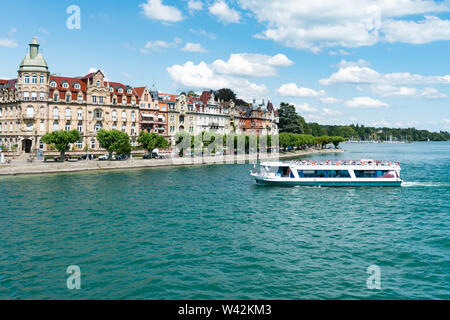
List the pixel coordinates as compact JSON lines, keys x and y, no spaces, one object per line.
{"x":28,"y":117}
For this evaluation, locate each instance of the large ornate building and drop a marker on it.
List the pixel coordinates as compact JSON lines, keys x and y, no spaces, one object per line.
{"x":37,"y":103}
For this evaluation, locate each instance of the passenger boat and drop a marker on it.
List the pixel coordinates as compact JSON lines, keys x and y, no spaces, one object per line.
{"x":360,"y":173}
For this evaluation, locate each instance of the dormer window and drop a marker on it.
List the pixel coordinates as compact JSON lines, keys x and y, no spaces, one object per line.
{"x":53,"y":84}
{"x":98,"y":84}
{"x":120,"y":90}
{"x":65,"y":85}
{"x":111,"y":89}
{"x":77,"y":86}
{"x":129,"y":91}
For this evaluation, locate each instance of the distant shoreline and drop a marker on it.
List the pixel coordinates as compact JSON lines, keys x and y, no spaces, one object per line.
{"x":42,"y":168}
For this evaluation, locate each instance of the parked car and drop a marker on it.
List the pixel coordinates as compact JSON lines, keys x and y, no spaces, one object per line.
{"x":122,"y":157}
{"x":153,"y":155}
{"x":106,"y":157}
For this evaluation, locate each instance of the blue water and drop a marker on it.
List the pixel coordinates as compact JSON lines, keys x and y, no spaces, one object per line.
{"x":211,"y":233}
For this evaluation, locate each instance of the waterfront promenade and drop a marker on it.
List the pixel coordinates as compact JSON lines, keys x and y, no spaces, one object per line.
{"x":38,"y":167}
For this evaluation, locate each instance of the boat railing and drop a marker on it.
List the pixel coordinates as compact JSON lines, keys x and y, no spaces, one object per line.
{"x":345,"y":163}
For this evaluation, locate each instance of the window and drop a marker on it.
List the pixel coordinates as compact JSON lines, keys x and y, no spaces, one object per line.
{"x":133,"y":116}
{"x":67,"y":97}
{"x":55,"y":98}
{"x":101,"y":100}
{"x":365,"y":174}
{"x":55,"y":113}
{"x":172,"y":118}
{"x":42,"y":79}
{"x":53,"y":84}
{"x":97,"y":127}
{"x":68,"y":113}
{"x":80,"y":144}
{"x":114,"y":126}
{"x":41,"y":96}
{"x":98,"y":114}
{"x":26,"y":96}
{"x":133,"y":129}
{"x":67,"y":126}
{"x":124,"y":116}
{"x":80,"y":114}
{"x":93,"y":144}
{"x":34,"y":79}
{"x":124,"y":127}
{"x":80,"y":99}
{"x":42,"y":126}
{"x":55,"y":126}
{"x":30,"y":112}
{"x":111,"y":89}
{"x":29,"y":127}
{"x":27,"y":78}
{"x":114,"y":115}
{"x":129,"y":91}
{"x":172,"y":129}
{"x":98,"y":84}
{"x":80,"y":127}
{"x":94,"y":99}
{"x":120,"y":90}
{"x":338,"y":174}
{"x":65,"y":85}
{"x":77,"y":86}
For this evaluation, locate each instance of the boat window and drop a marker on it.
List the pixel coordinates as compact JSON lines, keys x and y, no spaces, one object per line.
{"x":324,"y":174}
{"x":365,"y":174}
{"x":284,"y":172}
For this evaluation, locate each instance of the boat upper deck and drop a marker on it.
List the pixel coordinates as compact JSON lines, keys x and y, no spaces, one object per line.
{"x":333,"y":164}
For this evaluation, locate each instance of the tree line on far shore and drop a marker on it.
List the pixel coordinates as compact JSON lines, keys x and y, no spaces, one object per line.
{"x":291,"y":122}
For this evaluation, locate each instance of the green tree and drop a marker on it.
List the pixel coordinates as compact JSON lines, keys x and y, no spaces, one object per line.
{"x":336,"y":140}
{"x":114,"y":141}
{"x":225,"y":94}
{"x":62,"y":140}
{"x":152,"y":141}
{"x":290,"y":121}
{"x":323,"y":141}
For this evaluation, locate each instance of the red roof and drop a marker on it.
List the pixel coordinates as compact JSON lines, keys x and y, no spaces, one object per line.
{"x":140,"y":90}
{"x":71,"y":82}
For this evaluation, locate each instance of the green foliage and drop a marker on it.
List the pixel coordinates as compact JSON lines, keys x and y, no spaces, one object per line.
{"x":336,"y":141}
{"x":61,"y":140}
{"x":225,"y":94}
{"x":294,"y":140}
{"x":152,"y":141}
{"x":290,"y":121}
{"x":114,"y":141}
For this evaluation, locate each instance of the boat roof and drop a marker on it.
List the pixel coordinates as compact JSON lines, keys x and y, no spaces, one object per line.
{"x":367,"y":164}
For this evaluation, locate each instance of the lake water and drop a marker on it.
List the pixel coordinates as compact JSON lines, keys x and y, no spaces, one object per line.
{"x":210,"y":233}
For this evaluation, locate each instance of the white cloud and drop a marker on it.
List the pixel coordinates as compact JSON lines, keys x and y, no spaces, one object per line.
{"x":340,"y":52}
{"x":194,"y":47}
{"x":256,"y":65}
{"x":156,"y":10}
{"x":202,"y":76}
{"x":360,"y":63}
{"x":381,"y":123}
{"x":224,"y":13}
{"x":447,"y":121}
{"x":330,"y":100}
{"x":8,"y":43}
{"x":195,"y":5}
{"x":393,"y":91}
{"x":314,"y":25}
{"x":291,"y":90}
{"x":329,"y":112}
{"x":158,"y":45}
{"x":306,"y":108}
{"x":204,"y":33}
{"x":365,"y":75}
{"x":432,"y":93}
{"x":425,"y":31}
{"x":365,"y":102}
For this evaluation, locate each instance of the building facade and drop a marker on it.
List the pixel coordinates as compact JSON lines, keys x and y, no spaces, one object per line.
{"x":37,"y":103}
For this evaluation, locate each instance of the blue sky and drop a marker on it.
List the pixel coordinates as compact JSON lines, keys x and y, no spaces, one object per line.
{"x":381,"y":63}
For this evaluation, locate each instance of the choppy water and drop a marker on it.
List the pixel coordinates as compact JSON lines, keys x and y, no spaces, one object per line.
{"x":210,"y":233}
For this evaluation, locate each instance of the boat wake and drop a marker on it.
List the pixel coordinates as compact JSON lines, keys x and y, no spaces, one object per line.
{"x":425,"y":184}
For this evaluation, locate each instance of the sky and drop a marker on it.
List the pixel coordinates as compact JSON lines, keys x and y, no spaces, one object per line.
{"x":372,"y":62}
